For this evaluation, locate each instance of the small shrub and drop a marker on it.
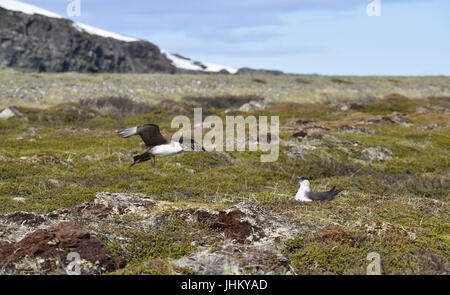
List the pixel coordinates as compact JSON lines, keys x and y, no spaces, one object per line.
{"x":117,"y":105}
{"x":302,"y":81}
{"x":258,"y":80}
{"x":341,"y":81}
{"x":390,"y":103}
{"x":223,"y":101}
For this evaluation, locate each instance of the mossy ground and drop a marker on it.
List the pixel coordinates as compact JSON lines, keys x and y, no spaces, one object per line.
{"x":405,"y":197}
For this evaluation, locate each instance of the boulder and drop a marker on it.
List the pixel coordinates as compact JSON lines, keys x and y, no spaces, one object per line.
{"x":10,"y":113}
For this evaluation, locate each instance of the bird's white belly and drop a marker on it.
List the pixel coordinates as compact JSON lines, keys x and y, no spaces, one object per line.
{"x":301,"y":196}
{"x":165,"y":150}
{"x":302,"y":199}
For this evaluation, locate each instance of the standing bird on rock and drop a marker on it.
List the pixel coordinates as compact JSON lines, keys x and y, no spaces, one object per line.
{"x":156,"y":145}
{"x":305,"y":194}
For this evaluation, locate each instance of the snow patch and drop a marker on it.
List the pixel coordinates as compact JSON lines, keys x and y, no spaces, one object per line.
{"x":99,"y":32}
{"x":26,"y":8}
{"x":181,"y":62}
{"x":188,"y":64}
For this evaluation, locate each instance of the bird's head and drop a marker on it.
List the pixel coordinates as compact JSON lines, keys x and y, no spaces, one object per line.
{"x":303,"y":180}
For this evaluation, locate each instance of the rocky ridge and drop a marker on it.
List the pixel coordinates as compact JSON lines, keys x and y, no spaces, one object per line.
{"x":44,"y":44}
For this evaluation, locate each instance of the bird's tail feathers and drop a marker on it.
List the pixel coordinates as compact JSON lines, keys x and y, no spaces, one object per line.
{"x":335,"y":193}
{"x":127,"y":132}
{"x":140,"y":158}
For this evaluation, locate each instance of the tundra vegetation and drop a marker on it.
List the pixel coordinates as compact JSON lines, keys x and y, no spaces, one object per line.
{"x":385,"y":140}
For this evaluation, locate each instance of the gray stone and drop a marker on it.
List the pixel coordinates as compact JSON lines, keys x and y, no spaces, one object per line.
{"x":378,"y":153}
{"x":9,"y":113}
{"x":252,"y":106}
{"x":299,"y":151}
{"x":427,"y":127}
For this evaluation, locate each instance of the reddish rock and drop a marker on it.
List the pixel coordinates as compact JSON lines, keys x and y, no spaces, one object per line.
{"x":233,"y":225}
{"x":50,"y":247}
{"x":300,"y":134}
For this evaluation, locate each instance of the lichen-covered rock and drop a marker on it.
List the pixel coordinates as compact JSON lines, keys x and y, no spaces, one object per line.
{"x":393,"y":118}
{"x":299,"y":151}
{"x":254,"y":239}
{"x":378,"y":153}
{"x":252,"y":106}
{"x":356,"y":130}
{"x":427,"y":127}
{"x":234,"y":259}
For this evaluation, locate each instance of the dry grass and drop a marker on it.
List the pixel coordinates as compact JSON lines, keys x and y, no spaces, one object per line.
{"x":36,"y":89}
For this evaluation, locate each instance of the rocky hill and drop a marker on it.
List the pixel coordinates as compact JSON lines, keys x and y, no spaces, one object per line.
{"x":46,"y":44}
{"x":36,"y":39}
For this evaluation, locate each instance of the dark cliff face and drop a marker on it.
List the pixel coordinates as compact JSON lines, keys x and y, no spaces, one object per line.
{"x":44,"y":44}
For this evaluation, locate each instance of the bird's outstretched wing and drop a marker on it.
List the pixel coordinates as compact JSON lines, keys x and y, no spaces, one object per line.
{"x":323,"y":196}
{"x":149,"y":133}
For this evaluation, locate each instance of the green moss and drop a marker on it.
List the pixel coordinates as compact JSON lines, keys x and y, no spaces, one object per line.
{"x":171,"y":241}
{"x":302,"y":80}
{"x":341,"y":81}
{"x":154,"y":267}
{"x":102,"y":123}
{"x":340,"y":251}
{"x":390,"y":103}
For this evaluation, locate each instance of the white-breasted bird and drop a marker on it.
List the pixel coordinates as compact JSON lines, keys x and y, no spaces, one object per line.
{"x":156,"y":144}
{"x":305,"y":194}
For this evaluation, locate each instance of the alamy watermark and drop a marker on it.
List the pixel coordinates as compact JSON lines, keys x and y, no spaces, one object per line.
{"x":374,"y":267}
{"x":74,"y":8}
{"x":233,"y":136}
{"x":374,"y":8}
{"x":74,"y":267}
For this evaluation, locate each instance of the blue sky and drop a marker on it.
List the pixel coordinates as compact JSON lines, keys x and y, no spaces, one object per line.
{"x":336,"y":37}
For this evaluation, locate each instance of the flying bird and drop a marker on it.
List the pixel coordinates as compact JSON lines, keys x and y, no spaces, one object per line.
{"x":156,"y":145}
{"x":305,"y":194}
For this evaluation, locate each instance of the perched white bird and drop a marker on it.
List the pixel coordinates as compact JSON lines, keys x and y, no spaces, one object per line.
{"x":304,"y":193}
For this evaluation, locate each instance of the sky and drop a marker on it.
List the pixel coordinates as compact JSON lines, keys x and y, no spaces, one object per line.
{"x":331,"y":37}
